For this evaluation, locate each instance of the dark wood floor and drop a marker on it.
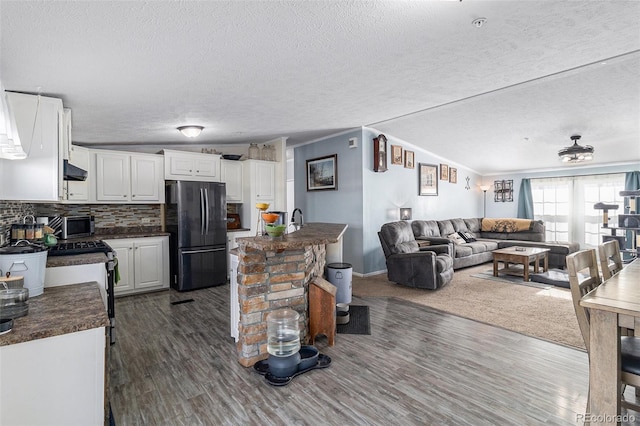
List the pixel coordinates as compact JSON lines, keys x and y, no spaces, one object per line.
{"x":176,"y":364}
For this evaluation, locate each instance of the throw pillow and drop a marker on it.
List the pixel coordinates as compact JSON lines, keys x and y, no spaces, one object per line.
{"x":468,"y":238}
{"x":456,"y":238}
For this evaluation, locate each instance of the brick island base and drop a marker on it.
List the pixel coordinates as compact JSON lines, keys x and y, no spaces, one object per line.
{"x":270,"y":280}
{"x":275,"y":274}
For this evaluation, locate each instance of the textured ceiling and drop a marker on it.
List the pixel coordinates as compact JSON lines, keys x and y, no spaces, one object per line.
{"x":516,"y":88}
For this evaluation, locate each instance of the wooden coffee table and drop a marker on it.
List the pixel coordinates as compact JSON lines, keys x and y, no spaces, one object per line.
{"x":520,"y":256}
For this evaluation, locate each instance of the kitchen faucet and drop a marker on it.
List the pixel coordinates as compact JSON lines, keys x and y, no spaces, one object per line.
{"x":297,"y":224}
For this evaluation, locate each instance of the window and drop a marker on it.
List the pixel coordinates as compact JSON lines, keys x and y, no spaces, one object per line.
{"x":565,"y":204}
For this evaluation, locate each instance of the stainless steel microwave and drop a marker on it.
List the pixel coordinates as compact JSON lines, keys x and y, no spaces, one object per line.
{"x":77,"y":226}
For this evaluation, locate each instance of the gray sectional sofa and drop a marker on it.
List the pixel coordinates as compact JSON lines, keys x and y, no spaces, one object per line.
{"x":479,"y":251}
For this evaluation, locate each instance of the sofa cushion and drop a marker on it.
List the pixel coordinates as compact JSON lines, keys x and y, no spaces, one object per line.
{"x":464,"y":250}
{"x":399,"y":237}
{"x":446,"y":227}
{"x":425,"y":228}
{"x":488,"y":245}
{"x":459,"y":225}
{"x":473,"y":225}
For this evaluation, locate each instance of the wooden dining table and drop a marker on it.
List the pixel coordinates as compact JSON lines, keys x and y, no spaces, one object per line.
{"x":613,"y":304}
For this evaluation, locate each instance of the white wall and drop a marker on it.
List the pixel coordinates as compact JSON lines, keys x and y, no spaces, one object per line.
{"x":365,"y":200}
{"x":385,"y":193}
{"x":343,"y":205}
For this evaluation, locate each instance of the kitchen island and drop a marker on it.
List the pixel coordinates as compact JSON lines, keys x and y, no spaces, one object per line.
{"x":52,"y":363}
{"x":274,"y":273}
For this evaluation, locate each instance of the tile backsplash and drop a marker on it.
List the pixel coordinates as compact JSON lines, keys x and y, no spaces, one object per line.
{"x":108,"y":217}
{"x":12,"y":212}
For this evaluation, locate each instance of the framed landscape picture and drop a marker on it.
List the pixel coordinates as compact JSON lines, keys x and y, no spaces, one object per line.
{"x":427,"y":179}
{"x":453,"y":175}
{"x":396,"y":154}
{"x":444,"y":172}
{"x":322,"y":173}
{"x":408,"y":159}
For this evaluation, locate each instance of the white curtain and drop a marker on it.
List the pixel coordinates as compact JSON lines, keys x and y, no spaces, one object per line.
{"x":565,"y":204}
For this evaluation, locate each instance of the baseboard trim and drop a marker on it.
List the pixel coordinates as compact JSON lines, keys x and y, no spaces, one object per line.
{"x":370,"y":274}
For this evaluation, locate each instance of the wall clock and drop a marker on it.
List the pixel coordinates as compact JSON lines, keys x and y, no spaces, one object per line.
{"x":380,"y":153}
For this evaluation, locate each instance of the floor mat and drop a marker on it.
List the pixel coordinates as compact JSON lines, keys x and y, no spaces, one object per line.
{"x":358,"y":321}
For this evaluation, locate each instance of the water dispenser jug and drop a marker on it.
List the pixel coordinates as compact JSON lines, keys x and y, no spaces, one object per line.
{"x":283,"y":332}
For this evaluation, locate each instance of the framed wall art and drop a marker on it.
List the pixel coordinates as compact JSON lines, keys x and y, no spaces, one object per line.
{"x":396,"y":154}
{"x":453,"y":175}
{"x":503,"y":190}
{"x":408,"y":159}
{"x":427,"y":179}
{"x":322,"y":173}
{"x":444,"y":172}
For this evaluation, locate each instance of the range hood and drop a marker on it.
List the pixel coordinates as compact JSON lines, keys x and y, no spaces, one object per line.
{"x":71,"y":172}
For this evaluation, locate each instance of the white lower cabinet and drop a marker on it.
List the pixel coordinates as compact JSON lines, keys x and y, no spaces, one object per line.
{"x":143,"y":264}
{"x":231,"y":241}
{"x":233,"y":296}
{"x":54,"y":380}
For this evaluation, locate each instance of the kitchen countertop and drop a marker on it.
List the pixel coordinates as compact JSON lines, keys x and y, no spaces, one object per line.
{"x":84,"y":259}
{"x":309,"y":234}
{"x":59,"y":310}
{"x":238,"y":230}
{"x":133,"y":233}
{"x":76,"y":259}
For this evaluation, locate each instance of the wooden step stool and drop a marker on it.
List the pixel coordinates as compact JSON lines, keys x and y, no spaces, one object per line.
{"x":322,"y":309}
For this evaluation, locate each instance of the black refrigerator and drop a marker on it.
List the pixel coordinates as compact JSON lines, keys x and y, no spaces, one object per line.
{"x":196,"y":217}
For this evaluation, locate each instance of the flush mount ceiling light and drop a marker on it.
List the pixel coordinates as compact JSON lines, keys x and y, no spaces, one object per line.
{"x":190,"y":131}
{"x":576,"y":153}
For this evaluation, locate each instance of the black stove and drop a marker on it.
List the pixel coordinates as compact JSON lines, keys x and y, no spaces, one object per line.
{"x":79,"y":247}
{"x":85,"y":247}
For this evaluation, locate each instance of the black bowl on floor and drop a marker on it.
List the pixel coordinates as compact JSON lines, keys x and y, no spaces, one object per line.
{"x":308,"y":357}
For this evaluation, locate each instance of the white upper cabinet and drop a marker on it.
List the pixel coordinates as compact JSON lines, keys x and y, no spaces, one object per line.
{"x":112,"y":177}
{"x":39,"y":127}
{"x":259,"y":187}
{"x":128,"y":177}
{"x":147,"y":183}
{"x":231,"y":174}
{"x":183,"y":165}
{"x":263,"y":179}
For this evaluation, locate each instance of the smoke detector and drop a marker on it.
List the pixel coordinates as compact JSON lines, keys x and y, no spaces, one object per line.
{"x":478,"y":22}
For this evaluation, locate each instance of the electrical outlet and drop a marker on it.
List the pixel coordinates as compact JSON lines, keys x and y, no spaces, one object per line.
{"x":353,"y":142}
{"x":146,"y":220}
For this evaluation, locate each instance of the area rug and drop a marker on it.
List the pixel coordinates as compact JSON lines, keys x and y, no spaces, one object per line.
{"x":545,"y":313}
{"x":511,"y":279}
{"x":358,"y":321}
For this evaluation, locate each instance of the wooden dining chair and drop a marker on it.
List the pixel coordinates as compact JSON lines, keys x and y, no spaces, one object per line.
{"x":583,"y":278}
{"x":610,"y":258}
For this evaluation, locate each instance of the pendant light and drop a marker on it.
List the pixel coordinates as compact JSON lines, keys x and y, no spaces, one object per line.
{"x":191,"y":131}
{"x":576,"y":153}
